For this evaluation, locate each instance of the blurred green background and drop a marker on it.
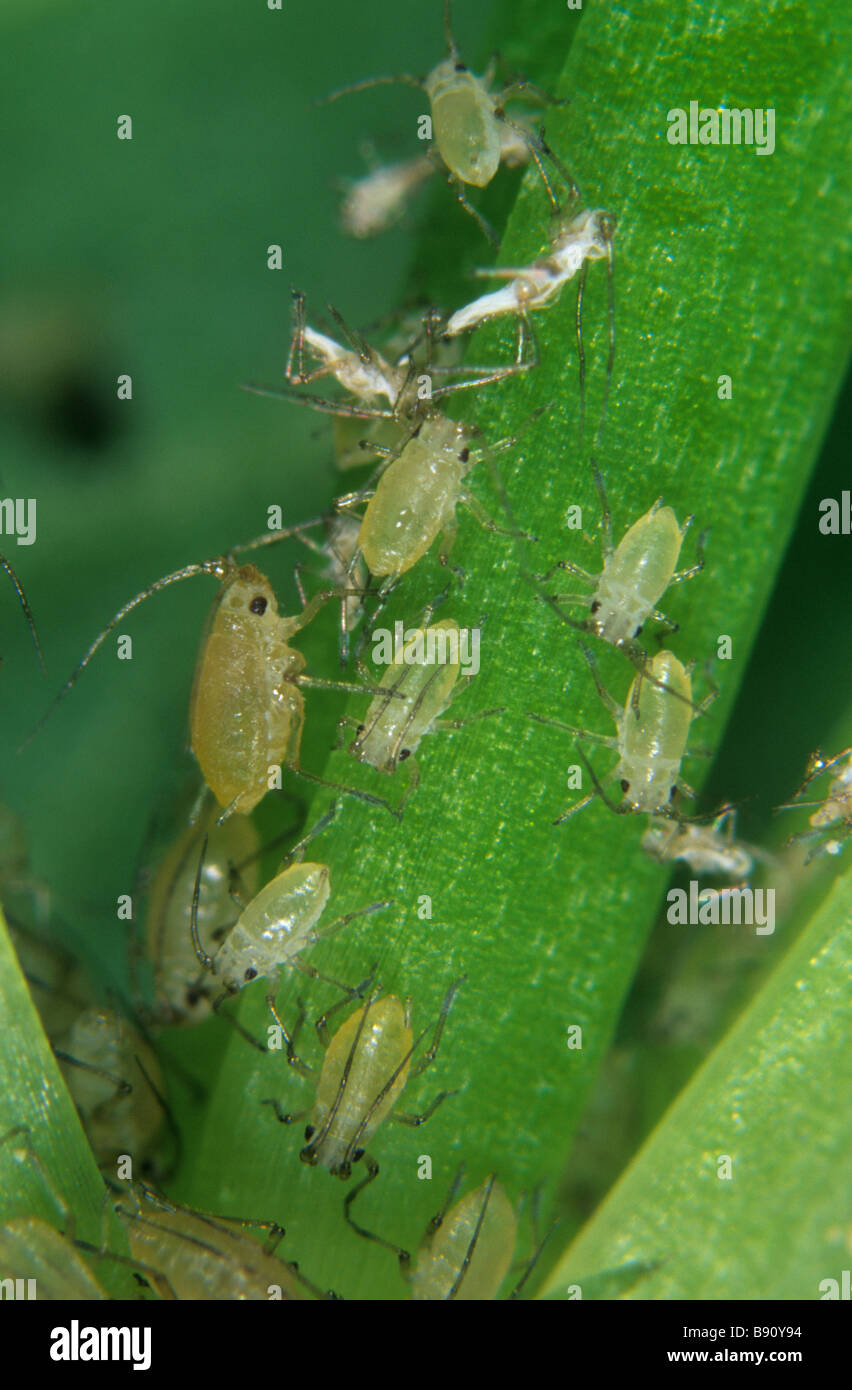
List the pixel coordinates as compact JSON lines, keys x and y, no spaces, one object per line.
{"x":148,"y":257}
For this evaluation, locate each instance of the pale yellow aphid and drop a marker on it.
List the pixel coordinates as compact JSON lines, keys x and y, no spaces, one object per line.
{"x":232,"y":848}
{"x":115,"y":1081}
{"x":468,"y":1250}
{"x":834,"y":810}
{"x":423,"y":678}
{"x":652,"y":732}
{"x":367,"y":1065}
{"x":191,"y":1255}
{"x":636,"y":574}
{"x":468,"y":119}
{"x":247,"y":710}
{"x":24,"y":602}
{"x":30,"y":1249}
{"x":276,"y":928}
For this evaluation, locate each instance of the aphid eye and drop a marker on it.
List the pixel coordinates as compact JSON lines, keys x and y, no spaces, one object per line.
{"x":358,"y":1154}
{"x":638,"y":630}
{"x":258,"y":605}
{"x":361,"y":728}
{"x":464,"y":455}
{"x":595,"y":606}
{"x":309,"y":1132}
{"x":461,"y":67}
{"x":625,"y":785}
{"x":404,"y":753}
{"x":251,"y":974}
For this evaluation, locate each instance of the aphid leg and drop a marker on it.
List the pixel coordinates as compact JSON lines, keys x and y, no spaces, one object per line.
{"x":23,"y":601}
{"x":571,"y":568}
{"x":321,"y":1024}
{"x":415,"y":1120}
{"x":605,"y":523}
{"x":487,"y":522}
{"x":290,"y":1040}
{"x":343,"y":789}
{"x":537,"y":1245}
{"x":450,"y":725}
{"x":597,"y":783}
{"x":297,"y":340}
{"x":680,"y":575}
{"x":612,"y":705}
{"x":321,"y":933}
{"x":429,"y":1056}
{"x":372,"y":1173}
{"x":604,"y":740}
{"x":124,"y":1087}
{"x":321,"y":403}
{"x":484,"y":225}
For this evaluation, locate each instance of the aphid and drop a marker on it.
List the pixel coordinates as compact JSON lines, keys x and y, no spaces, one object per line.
{"x":231,"y":857}
{"x":424,"y":680}
{"x":705,"y":849}
{"x":577,"y":240}
{"x":30,"y":1249}
{"x":116,"y":1084}
{"x":652,"y":732}
{"x":378,"y":200}
{"x":468,"y":119}
{"x":635,"y":575}
{"x":833,"y":810}
{"x":276,"y":928}
{"x":247,"y":711}
{"x":344,"y":570}
{"x":366,"y":1067}
{"x":24,"y":602}
{"x":193,"y":1255}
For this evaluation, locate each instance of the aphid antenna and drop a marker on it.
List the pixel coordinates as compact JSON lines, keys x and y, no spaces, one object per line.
{"x":298,"y":850}
{"x":24,"y":602}
{"x":321,"y":403}
{"x":217,"y":568}
{"x":474,"y":1240}
{"x":386,"y":80}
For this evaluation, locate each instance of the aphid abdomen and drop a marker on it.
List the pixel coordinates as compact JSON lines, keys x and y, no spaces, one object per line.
{"x":653,"y":745}
{"x":464,"y":125}
{"x":275,"y":926}
{"x":636,"y":575}
{"x":415,"y":498}
{"x":384,"y":1041}
{"x":440,"y":1260}
{"x":245,"y":713}
{"x":421,"y":692}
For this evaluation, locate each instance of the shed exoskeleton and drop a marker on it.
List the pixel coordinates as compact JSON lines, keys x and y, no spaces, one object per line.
{"x":652,"y":732}
{"x":468,"y":116}
{"x":705,"y":849}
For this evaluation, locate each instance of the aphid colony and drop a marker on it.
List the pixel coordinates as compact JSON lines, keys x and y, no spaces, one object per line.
{"x":214,"y":923}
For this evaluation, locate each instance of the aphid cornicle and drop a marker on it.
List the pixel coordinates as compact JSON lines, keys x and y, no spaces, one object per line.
{"x":468,"y":119}
{"x":276,"y":928}
{"x":424,"y":680}
{"x":636,"y":574}
{"x":833,"y":811}
{"x":367,"y":1064}
{"x":24,"y":602}
{"x":652,"y":731}
{"x":247,"y":710}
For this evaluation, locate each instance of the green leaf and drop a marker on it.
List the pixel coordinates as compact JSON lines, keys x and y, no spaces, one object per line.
{"x":772,"y":1099}
{"x":548,"y":924}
